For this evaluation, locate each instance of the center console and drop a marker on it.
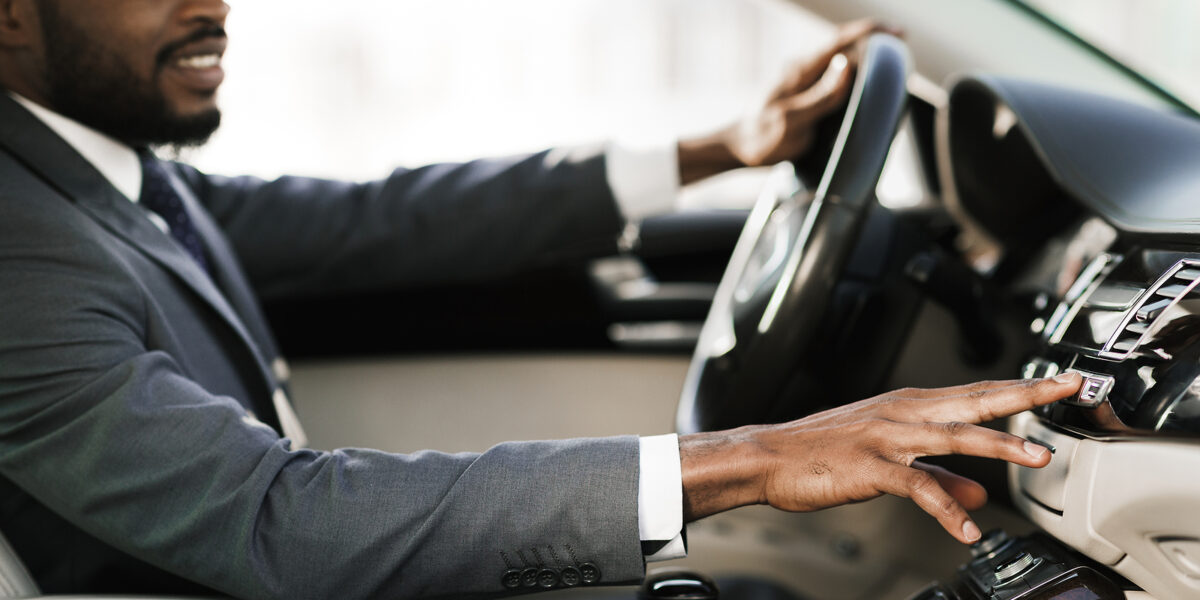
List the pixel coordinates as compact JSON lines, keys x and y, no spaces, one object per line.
{"x":1028,"y":568}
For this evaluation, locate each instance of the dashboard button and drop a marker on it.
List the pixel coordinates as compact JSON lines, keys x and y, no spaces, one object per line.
{"x":1094,"y":390}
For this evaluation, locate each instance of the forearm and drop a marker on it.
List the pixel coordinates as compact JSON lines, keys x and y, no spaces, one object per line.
{"x":448,"y":223}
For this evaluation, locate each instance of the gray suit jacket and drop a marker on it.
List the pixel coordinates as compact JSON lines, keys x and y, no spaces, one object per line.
{"x":138,"y":443}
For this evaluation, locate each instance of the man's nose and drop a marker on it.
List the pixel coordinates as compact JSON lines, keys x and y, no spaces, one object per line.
{"x":209,"y":11}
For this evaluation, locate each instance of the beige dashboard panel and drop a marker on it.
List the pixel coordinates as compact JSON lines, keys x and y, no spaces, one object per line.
{"x":1134,"y":505}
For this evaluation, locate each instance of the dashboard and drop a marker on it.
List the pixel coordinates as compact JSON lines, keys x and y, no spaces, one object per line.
{"x":1094,"y":203}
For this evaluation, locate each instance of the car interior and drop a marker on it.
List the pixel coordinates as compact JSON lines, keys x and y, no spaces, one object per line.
{"x":999,"y":200}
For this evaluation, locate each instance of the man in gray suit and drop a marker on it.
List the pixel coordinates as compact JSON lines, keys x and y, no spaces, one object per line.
{"x":146,"y":440}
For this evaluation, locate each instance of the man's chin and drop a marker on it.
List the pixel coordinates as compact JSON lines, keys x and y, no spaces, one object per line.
{"x":168,"y":128}
{"x":191,"y":130}
{"x":188,"y":104}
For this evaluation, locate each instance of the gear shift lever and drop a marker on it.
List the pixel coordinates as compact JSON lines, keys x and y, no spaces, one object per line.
{"x":678,"y":585}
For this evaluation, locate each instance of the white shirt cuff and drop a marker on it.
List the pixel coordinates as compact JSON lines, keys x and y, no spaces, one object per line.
{"x":644,"y":178}
{"x":660,"y":496}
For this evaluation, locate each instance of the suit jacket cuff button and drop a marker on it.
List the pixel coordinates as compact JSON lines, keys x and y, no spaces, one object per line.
{"x":589,"y":573}
{"x":511,"y":579}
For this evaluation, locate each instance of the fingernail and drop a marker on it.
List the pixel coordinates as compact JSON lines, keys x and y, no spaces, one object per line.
{"x":971,"y":531}
{"x":1064,"y":377}
{"x":1035,"y":450}
{"x":838,"y":63}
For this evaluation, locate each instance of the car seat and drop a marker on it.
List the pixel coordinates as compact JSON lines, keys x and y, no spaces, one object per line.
{"x":15,"y":581}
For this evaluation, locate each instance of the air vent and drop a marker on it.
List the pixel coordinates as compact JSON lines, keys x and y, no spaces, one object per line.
{"x":1088,"y":281}
{"x":1141,"y":321}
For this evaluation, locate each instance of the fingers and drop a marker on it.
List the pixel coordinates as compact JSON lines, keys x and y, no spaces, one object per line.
{"x":977,"y":402}
{"x":825,"y":96}
{"x":958,"y":390}
{"x":968,"y":492}
{"x":850,"y":33}
{"x":845,"y":41}
{"x":923,"y":488}
{"x":938,"y":439}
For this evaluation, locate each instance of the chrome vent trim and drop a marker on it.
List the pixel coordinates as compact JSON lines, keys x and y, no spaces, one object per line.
{"x":1177,"y":283}
{"x":1089,"y":279}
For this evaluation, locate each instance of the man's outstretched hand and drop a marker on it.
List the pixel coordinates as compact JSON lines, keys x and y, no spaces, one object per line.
{"x":786,"y":125}
{"x":866,"y":449}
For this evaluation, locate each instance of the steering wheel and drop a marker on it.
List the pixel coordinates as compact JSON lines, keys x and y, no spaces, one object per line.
{"x":771,"y":301}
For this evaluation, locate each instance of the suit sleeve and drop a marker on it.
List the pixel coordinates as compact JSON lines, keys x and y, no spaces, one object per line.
{"x":436,"y":224}
{"x":116,"y":438}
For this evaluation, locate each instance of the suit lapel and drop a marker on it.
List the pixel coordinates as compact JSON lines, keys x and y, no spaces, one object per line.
{"x":56,"y":162}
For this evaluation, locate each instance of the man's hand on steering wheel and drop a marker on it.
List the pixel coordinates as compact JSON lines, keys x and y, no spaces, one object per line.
{"x":866,"y":449}
{"x":785,"y":127}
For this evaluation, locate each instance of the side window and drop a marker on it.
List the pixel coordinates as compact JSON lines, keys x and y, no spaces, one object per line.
{"x":1156,"y":39}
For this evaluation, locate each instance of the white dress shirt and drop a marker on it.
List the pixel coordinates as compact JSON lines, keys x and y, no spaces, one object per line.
{"x":645,"y":182}
{"x":115,"y":161}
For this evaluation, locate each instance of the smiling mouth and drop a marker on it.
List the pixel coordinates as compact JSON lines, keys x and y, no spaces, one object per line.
{"x":199,"y":61}
{"x":198,"y":71}
{"x":193,"y":62}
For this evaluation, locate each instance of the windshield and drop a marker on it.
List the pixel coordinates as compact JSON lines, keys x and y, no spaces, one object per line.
{"x":1155,"y":38}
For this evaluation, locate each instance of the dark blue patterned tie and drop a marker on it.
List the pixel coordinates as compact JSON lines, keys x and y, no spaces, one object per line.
{"x":159,"y":196}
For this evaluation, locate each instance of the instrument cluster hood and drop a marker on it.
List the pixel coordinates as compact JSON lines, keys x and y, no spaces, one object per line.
{"x":1018,"y":145}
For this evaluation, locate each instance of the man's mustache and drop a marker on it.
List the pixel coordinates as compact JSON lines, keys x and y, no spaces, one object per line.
{"x":211,"y":31}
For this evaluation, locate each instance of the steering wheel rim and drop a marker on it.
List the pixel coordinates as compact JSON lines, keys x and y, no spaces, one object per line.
{"x":786,"y":264}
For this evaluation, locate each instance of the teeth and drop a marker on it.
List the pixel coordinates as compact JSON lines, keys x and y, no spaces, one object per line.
{"x":200,"y":61}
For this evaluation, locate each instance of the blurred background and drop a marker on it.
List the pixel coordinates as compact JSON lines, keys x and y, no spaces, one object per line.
{"x":356,"y":90}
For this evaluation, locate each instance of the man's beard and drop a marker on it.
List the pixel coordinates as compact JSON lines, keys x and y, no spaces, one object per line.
{"x":90,"y":84}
